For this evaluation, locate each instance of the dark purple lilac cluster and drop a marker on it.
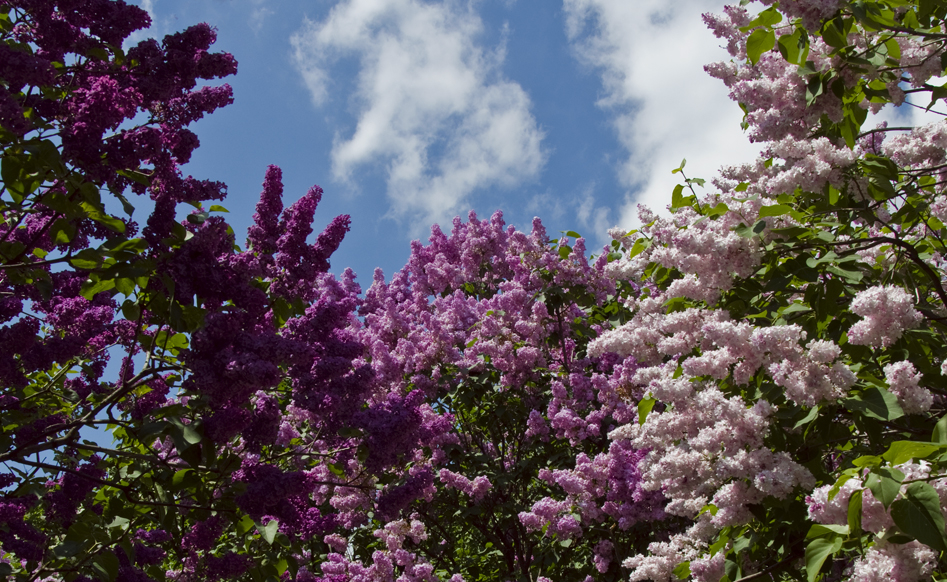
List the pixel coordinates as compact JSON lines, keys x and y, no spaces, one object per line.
{"x":70,"y":491}
{"x":203,"y":534}
{"x":244,"y":348}
{"x":147,"y":546}
{"x":272,"y":493}
{"x":224,"y":353}
{"x":17,"y":536}
{"x":393,"y":500}
{"x":391,"y":428}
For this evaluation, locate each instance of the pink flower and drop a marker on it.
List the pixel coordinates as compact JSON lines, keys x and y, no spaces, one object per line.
{"x":910,"y":562}
{"x":903,"y":382}
{"x":888,"y":312}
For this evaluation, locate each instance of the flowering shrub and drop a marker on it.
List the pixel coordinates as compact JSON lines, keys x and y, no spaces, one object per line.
{"x":789,"y":333}
{"x":749,"y":388}
{"x":489,"y":327}
{"x":226,"y":381}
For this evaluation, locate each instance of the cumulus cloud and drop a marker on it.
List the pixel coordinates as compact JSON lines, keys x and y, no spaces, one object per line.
{"x":650,"y":56}
{"x":432,"y":106}
{"x":258,"y":15}
{"x":140,"y":35}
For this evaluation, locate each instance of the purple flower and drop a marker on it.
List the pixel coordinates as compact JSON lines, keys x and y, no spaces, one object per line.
{"x":70,"y":491}
{"x":203,"y":534}
{"x":394,"y":499}
{"x":263,"y":234}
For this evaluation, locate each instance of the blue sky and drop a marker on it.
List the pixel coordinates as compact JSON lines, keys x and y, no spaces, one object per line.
{"x":409,"y":112}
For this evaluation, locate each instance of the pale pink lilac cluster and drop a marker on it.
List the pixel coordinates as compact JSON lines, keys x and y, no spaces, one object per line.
{"x":884,"y":562}
{"x":827,"y":509}
{"x":812,"y":12}
{"x":875,"y":517}
{"x":709,"y":253}
{"x":663,"y":557}
{"x":706,"y":449}
{"x":904,"y":382}
{"x":887,"y":312}
{"x":771,"y":90}
{"x":922,"y":148}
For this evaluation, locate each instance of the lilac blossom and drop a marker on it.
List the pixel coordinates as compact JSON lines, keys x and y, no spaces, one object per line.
{"x":887,"y":311}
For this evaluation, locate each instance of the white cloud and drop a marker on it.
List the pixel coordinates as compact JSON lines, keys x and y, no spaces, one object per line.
{"x":431,"y":104}
{"x":577,"y":212}
{"x":258,"y":15}
{"x":140,"y":35}
{"x":650,"y":54}
{"x":593,"y":219}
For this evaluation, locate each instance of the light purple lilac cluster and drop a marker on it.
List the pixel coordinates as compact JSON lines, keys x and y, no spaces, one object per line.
{"x":471,"y":304}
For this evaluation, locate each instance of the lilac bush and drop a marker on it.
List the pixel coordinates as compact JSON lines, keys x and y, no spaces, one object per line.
{"x":228,"y":380}
{"x":510,"y":473}
{"x":748,"y":387}
{"x":789,"y":333}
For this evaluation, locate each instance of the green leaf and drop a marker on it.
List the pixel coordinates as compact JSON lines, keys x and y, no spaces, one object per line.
{"x":91,"y":288}
{"x":678,"y":200}
{"x":217,"y":208}
{"x":120,"y":521}
{"x":812,"y":415}
{"x":138,"y":177}
{"x":876,"y":403}
{"x":269,"y":532}
{"x":867,"y":461}
{"x":842,"y":480}
{"x":855,"y":512}
{"x":768,"y":17}
{"x":191,"y":436}
{"x":880,"y":166}
{"x":919,"y":516}
{"x":833,"y":36}
{"x":794,"y":308}
{"x":794,"y":47}
{"x":639,"y":246}
{"x":180,"y":476}
{"x":106,"y":564}
{"x":940,"y":431}
{"x":644,"y":408}
{"x":62,"y":231}
{"x":830,"y":530}
{"x":682,"y":570}
{"x":719,"y":210}
{"x":903,"y":451}
{"x":10,"y":168}
{"x":885,"y":484}
{"x":244,"y":525}
{"x":86,"y":259}
{"x":131,"y":310}
{"x":814,"y":88}
{"x":68,"y":548}
{"x":759,"y":42}
{"x":198,"y":218}
{"x":679,"y":168}
{"x":816,"y":553}
{"x":775,"y":210}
